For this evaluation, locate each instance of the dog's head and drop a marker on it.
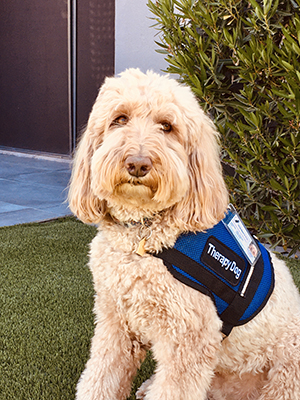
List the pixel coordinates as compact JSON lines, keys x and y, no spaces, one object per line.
{"x":148,"y":146}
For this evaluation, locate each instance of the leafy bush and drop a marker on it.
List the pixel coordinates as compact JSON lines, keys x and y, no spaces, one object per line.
{"x":241,"y":59}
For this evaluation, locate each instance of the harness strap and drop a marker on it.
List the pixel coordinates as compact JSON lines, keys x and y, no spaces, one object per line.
{"x":239,"y":305}
{"x":174,"y":258}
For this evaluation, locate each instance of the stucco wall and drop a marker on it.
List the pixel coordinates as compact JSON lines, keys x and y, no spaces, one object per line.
{"x":134,"y":38}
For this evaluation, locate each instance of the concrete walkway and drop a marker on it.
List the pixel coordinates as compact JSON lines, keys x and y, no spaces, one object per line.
{"x":32,"y":188}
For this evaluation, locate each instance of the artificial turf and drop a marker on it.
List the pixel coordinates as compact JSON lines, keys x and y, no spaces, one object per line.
{"x":46,"y":301}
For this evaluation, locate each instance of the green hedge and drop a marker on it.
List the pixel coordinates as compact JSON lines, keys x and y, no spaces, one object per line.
{"x":241,"y":59}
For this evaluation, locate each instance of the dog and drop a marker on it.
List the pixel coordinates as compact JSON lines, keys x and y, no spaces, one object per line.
{"x":147,"y":170}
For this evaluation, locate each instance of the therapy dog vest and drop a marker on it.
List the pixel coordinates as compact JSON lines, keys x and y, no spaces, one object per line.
{"x":213,"y":263}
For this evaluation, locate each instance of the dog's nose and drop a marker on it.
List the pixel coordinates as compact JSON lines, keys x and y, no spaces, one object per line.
{"x":138,"y":166}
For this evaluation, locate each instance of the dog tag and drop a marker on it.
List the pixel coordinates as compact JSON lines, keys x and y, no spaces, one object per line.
{"x":141,"y":248}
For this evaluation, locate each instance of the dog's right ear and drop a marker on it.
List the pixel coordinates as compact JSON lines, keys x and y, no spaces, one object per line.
{"x":82,"y":201}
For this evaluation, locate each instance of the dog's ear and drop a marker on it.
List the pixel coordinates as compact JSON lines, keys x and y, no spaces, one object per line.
{"x":207,"y":198}
{"x":82,"y":201}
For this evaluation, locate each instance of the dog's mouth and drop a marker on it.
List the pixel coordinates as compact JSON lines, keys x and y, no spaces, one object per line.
{"x":136,"y":184}
{"x":136,"y":189}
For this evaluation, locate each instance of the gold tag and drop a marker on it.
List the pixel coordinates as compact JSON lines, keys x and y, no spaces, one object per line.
{"x":141,"y":249}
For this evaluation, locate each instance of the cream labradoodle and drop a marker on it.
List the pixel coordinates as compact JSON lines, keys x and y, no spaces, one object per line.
{"x":146,"y":170}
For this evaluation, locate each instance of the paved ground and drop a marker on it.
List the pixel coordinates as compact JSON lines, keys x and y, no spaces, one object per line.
{"x":32,"y":189}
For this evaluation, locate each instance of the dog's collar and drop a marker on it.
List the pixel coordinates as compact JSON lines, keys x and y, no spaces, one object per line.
{"x":144,"y":221}
{"x":144,"y":232}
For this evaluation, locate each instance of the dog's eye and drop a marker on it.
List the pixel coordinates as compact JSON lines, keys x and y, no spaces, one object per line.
{"x":166,"y":127}
{"x":121,"y":120}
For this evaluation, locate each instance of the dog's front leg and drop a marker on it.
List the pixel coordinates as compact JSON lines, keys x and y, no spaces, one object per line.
{"x":185,"y":361}
{"x":180,"y":378}
{"x":113,"y":362}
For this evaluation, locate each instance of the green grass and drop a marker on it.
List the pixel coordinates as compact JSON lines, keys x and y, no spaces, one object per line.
{"x":46,"y":301}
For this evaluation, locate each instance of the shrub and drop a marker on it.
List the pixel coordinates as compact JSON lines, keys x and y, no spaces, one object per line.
{"x":241,"y":59}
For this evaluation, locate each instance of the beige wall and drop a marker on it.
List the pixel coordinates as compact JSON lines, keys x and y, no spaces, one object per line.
{"x":134,"y":38}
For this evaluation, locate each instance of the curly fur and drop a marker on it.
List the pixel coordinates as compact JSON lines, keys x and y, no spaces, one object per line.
{"x":138,"y":304}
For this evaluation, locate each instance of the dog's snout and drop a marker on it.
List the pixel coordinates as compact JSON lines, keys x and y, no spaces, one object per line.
{"x":138,"y":166}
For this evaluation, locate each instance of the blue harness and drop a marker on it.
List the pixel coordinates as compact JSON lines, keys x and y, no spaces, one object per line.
{"x":213,"y":263}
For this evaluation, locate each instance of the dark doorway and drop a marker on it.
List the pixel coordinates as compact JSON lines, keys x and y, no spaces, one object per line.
{"x":53,"y":57}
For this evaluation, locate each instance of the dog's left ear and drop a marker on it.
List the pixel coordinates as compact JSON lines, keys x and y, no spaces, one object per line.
{"x":207,"y":198}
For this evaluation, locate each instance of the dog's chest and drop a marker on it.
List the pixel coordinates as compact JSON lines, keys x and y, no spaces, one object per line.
{"x":145,"y":295}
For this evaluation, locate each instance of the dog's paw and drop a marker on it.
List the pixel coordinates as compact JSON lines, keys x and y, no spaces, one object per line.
{"x":141,"y":393}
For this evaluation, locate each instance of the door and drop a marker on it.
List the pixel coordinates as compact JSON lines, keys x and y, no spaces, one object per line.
{"x":53,"y":57}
